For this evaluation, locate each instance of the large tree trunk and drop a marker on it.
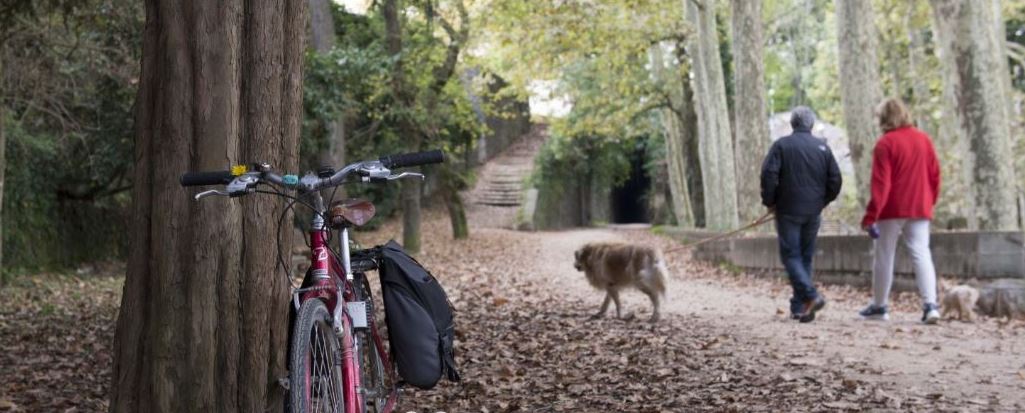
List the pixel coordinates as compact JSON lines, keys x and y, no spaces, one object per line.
{"x":3,"y":164}
{"x":714,"y":137}
{"x":692,"y":158}
{"x":203,"y":321}
{"x":677,"y":168}
{"x":322,"y":28}
{"x":750,"y":106}
{"x":675,"y":138}
{"x":860,"y":90}
{"x":975,"y":67}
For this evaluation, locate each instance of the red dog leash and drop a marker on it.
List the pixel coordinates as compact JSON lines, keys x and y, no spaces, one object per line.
{"x":769,"y":216}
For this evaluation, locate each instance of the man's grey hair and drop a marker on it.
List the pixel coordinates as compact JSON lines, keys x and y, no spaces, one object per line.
{"x":802,"y":117}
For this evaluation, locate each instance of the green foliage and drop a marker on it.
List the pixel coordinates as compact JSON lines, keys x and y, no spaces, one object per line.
{"x":597,"y":52}
{"x":68,"y":87}
{"x":798,"y":49}
{"x":354,"y":82}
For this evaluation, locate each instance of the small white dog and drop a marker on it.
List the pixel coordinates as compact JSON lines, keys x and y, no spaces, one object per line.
{"x":960,"y":299}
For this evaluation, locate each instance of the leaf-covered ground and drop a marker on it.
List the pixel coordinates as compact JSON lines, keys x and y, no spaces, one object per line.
{"x":525,"y":341}
{"x":56,"y":333}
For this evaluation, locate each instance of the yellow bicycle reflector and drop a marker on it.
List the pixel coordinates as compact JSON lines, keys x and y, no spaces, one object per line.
{"x":237,"y":170}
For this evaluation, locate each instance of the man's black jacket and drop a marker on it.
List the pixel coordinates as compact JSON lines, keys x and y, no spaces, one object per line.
{"x":800,"y":175}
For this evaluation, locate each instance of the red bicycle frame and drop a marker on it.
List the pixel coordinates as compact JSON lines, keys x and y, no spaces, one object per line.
{"x":328,"y":275}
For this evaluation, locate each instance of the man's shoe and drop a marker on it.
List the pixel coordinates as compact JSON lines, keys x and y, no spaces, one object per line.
{"x":874,"y":312}
{"x":810,"y":308}
{"x":930,"y":313}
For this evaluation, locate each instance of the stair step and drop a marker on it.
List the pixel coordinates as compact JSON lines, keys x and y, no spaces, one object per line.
{"x":500,"y":204}
{"x":498,"y":198}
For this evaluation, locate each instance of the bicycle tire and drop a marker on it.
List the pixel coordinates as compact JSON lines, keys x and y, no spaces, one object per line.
{"x":315,"y":376}
{"x":373,"y":378}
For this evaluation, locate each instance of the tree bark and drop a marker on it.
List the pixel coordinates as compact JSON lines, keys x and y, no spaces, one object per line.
{"x":750,"y":106}
{"x":451,"y":179}
{"x":322,"y":28}
{"x":714,"y":137}
{"x":3,"y":164}
{"x":675,"y":139}
{"x":677,"y":168}
{"x":411,"y":188}
{"x":691,"y":154}
{"x":203,"y":319}
{"x":860,"y":89}
{"x":975,"y":67}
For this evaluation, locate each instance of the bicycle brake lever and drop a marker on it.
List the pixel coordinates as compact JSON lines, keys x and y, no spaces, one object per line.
{"x":406,"y":175}
{"x":211,"y":192}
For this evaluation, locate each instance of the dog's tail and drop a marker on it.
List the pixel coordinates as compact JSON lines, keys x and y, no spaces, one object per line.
{"x":660,"y":278}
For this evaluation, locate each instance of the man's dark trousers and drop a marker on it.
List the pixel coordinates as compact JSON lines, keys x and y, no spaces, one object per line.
{"x":796,"y":250}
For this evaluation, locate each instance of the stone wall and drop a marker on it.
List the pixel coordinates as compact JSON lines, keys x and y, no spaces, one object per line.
{"x":982,"y":255}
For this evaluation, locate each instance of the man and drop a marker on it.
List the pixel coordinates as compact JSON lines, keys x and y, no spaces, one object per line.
{"x":799,"y":178}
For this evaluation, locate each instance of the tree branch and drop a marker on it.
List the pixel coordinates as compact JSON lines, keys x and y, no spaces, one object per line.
{"x":457,"y":39}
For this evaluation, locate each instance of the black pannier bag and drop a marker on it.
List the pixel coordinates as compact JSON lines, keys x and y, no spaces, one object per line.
{"x":419,"y":319}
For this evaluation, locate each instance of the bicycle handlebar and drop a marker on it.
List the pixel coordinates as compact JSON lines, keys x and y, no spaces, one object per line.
{"x":369,"y":170}
{"x":413,"y":159}
{"x":206,"y":178}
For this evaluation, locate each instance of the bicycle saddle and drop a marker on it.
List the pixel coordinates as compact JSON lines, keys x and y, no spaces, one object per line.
{"x":357,"y":211}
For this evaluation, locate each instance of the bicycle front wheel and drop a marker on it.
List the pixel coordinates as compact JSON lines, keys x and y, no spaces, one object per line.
{"x":377,"y":384}
{"x":315,"y":374}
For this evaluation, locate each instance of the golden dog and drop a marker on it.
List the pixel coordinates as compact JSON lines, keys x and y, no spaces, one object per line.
{"x":615,"y":266}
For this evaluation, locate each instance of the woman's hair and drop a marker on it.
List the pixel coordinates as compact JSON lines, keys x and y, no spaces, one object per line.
{"x":893,"y":114}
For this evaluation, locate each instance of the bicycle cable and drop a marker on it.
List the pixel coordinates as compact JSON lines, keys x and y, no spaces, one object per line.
{"x":284,"y":212}
{"x":281,"y":260}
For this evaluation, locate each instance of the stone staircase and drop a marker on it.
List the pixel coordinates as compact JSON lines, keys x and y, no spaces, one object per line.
{"x":500,"y":180}
{"x":497,"y":198}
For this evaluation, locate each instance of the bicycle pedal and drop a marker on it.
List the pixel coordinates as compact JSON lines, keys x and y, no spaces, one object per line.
{"x":358,"y":313}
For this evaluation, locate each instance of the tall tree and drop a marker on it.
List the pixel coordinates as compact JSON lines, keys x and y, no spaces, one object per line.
{"x":404,"y":100}
{"x":714,"y":137}
{"x":677,"y":133}
{"x":860,"y":90}
{"x":203,"y":321}
{"x":750,"y":107}
{"x":451,"y":178}
{"x":977,"y":82}
{"x":322,"y":30}
{"x":3,"y":160}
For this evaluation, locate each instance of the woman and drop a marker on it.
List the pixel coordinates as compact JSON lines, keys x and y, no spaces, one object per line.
{"x":905,"y":185}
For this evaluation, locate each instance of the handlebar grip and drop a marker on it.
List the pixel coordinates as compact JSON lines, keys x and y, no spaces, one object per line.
{"x":206,"y":178}
{"x":412,"y":159}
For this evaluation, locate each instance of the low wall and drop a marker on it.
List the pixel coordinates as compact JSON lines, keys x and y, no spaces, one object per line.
{"x":983,"y":255}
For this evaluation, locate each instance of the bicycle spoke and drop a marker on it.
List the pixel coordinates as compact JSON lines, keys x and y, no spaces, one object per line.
{"x":318,"y":378}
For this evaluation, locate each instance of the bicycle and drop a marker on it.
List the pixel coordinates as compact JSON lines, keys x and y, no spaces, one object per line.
{"x":337,"y":360}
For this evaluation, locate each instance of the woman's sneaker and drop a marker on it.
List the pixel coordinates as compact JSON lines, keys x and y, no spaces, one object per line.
{"x":875,"y":312}
{"x":930,"y":313}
